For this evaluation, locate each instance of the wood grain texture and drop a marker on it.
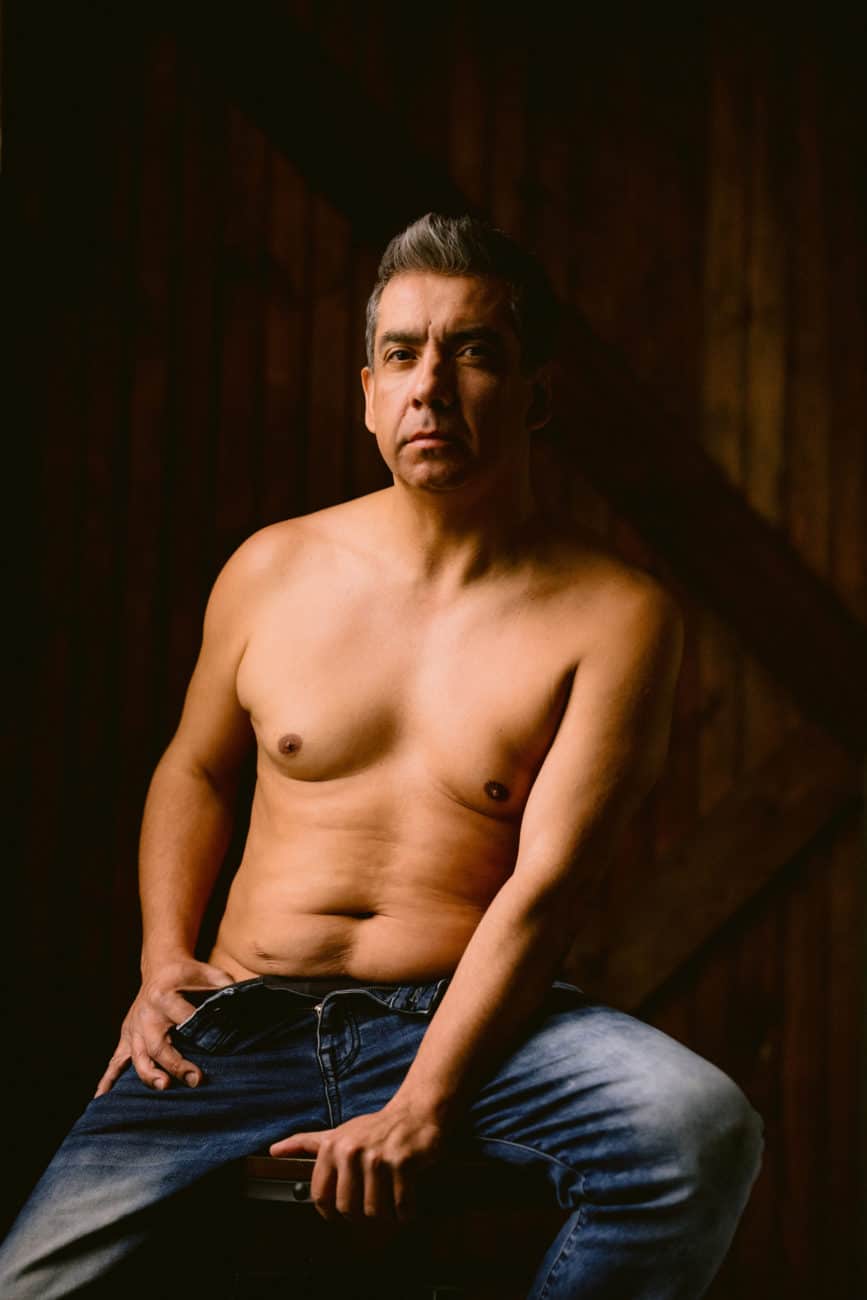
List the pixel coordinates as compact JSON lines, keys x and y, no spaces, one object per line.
{"x":182,"y":261}
{"x":717,"y":867}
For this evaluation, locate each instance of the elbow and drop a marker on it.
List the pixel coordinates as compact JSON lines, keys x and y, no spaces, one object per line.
{"x":181,"y":764}
{"x":548,"y":912}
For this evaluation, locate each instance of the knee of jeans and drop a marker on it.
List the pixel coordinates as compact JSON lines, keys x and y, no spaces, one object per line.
{"x":716,"y":1132}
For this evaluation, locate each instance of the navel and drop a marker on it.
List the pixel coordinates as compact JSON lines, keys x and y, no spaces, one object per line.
{"x":494,"y":790}
{"x":290,"y":743}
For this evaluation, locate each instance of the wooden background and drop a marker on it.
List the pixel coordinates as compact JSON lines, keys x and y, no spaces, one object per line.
{"x":195,"y":209}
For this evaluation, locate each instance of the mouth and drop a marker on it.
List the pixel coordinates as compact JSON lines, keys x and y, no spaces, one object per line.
{"x":430,"y":438}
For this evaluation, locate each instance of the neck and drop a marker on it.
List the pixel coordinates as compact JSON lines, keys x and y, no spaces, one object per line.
{"x":449,"y":539}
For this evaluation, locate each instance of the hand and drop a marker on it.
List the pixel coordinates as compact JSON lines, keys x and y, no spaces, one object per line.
{"x":158,"y":1007}
{"x":363,"y":1167}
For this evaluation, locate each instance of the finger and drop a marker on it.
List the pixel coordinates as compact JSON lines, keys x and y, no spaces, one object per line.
{"x":170,"y":1060}
{"x":116,"y":1066}
{"x":177,"y":1008}
{"x":403,"y":1193}
{"x":207,"y":977}
{"x":145,"y":1068}
{"x":378,"y":1189}
{"x":216,"y":976}
{"x":323,"y":1187}
{"x":308,"y":1143}
{"x":349,"y":1192}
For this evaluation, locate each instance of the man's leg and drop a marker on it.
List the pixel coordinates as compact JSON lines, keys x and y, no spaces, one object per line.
{"x":653,"y":1148}
{"x":134,"y":1152}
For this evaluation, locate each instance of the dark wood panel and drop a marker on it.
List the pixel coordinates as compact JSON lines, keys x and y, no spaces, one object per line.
{"x":238,"y":468}
{"x":148,"y":307}
{"x":284,"y":450}
{"x":635,"y":451}
{"x":841,"y":1121}
{"x":717,"y":867}
{"x":249,"y":59}
{"x":197,"y":314}
{"x":329,"y":373}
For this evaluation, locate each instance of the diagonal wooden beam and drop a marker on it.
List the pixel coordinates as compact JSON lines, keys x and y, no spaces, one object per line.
{"x":350,"y":150}
{"x":754,"y":832}
{"x":611,"y":427}
{"x":653,"y":469}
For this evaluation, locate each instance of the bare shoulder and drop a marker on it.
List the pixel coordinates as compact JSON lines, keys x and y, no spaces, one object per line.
{"x":607,"y":601}
{"x":270,"y":554}
{"x":273,"y":555}
{"x":258,"y":562}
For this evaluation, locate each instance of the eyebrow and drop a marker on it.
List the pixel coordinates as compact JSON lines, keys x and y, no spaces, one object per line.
{"x":471,"y":334}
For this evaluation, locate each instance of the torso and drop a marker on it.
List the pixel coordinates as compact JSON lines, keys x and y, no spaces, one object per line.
{"x":397,"y":745}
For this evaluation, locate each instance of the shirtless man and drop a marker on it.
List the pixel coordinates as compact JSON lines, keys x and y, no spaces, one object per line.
{"x":456,"y":710}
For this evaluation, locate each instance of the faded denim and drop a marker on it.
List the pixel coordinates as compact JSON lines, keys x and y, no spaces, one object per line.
{"x":652,"y":1149}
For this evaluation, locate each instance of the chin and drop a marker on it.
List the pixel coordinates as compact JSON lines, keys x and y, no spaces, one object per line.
{"x":437,"y":478}
{"x":436,"y":468}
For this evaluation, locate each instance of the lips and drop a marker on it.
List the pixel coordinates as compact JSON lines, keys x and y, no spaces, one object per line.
{"x":431,"y":433}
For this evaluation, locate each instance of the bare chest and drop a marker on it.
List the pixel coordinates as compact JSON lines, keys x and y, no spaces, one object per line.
{"x":467,"y":701}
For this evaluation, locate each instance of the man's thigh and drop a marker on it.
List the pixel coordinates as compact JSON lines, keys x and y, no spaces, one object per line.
{"x":134,"y":1151}
{"x":604,"y":1101}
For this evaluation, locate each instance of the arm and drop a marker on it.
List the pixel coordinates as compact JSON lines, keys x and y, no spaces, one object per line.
{"x":607,"y":754}
{"x":185,"y":831}
{"x":605,"y":758}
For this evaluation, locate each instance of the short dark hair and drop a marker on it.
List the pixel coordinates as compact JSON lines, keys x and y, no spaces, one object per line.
{"x":469,"y":246}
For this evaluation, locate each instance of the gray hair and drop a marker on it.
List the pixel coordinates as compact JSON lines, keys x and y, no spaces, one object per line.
{"x":468,"y":246}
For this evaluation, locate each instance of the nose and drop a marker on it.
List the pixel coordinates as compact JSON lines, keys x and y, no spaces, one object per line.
{"x":433,"y":384}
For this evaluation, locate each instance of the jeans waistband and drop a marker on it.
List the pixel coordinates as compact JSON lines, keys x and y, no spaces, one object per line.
{"x":314,"y":987}
{"x":400,"y":997}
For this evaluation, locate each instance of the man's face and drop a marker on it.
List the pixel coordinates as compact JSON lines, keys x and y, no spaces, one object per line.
{"x":446,"y":398}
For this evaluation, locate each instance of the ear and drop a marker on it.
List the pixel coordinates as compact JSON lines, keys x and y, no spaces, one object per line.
{"x":368,"y":383}
{"x":539,"y":410}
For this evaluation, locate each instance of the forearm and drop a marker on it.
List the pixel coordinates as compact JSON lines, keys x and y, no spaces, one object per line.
{"x":499,"y":983}
{"x":186,"y":827}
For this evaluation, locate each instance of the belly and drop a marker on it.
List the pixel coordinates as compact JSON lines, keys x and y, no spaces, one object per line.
{"x":397,"y":901}
{"x":378,"y":947}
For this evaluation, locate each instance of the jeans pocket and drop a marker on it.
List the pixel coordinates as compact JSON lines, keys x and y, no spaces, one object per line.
{"x":203,"y":1029}
{"x":240,"y":1017}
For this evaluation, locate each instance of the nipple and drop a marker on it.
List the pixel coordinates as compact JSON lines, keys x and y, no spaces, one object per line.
{"x":494,"y":790}
{"x":290,"y":743}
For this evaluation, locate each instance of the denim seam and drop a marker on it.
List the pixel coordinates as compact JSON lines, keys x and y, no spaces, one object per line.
{"x":578,"y":1212}
{"x":342,"y":1066}
{"x":565,"y":1250}
{"x":534,"y":1151}
{"x":328,"y":1080}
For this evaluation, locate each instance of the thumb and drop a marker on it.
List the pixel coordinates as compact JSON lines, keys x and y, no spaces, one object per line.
{"x":214,"y":976}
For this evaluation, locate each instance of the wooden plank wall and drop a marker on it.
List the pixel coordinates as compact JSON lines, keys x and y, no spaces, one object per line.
{"x":192,"y":316}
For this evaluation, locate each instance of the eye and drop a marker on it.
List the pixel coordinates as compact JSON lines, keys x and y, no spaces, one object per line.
{"x":480,"y":354}
{"x":398,"y":354}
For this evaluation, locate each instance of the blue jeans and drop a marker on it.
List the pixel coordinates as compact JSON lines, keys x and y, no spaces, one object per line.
{"x":651,"y":1148}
